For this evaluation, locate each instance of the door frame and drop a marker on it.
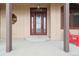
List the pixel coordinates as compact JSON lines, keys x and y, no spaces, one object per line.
{"x":35,"y":24}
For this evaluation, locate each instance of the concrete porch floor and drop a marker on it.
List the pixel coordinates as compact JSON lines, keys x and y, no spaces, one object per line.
{"x":24,"y":47}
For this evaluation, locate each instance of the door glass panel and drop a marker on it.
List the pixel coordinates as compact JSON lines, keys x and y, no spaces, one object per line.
{"x":32,"y":23}
{"x":38,"y":23}
{"x":44,"y":24}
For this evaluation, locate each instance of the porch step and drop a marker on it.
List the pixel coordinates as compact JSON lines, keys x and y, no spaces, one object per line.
{"x":38,"y":38}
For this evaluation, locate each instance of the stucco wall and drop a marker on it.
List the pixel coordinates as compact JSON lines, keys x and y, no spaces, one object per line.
{"x":56,"y":31}
{"x":0,"y":23}
{"x":21,"y":29}
{"x":3,"y":21}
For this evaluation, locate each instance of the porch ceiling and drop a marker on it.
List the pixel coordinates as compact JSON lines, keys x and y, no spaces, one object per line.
{"x":31,"y":3}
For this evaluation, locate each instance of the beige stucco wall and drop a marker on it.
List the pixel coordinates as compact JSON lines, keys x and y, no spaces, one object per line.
{"x":0,"y":22}
{"x":21,"y":29}
{"x":3,"y":21}
{"x":56,"y":31}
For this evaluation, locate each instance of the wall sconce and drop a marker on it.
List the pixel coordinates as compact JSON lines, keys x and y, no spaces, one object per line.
{"x":38,"y":6}
{"x":14,"y":18}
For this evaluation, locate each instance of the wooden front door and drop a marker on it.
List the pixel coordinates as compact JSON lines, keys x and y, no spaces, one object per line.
{"x":38,"y":21}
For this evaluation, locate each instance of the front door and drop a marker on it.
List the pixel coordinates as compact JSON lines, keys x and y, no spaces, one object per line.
{"x":38,"y":21}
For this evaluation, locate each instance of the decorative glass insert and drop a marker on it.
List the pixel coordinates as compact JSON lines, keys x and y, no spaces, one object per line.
{"x":32,"y":23}
{"x":38,"y":23}
{"x":44,"y":24}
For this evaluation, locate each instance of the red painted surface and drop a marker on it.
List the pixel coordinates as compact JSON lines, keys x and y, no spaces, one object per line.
{"x":74,"y":39}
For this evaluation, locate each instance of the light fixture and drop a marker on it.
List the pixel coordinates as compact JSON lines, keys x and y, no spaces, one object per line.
{"x":14,"y":18}
{"x":38,"y":6}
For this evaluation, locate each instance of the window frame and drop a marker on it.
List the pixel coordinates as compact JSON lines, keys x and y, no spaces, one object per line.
{"x":71,"y":19}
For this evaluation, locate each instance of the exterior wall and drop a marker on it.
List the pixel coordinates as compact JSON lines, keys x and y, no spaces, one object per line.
{"x":0,"y":23}
{"x":21,"y":29}
{"x":3,"y":21}
{"x":56,"y":31}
